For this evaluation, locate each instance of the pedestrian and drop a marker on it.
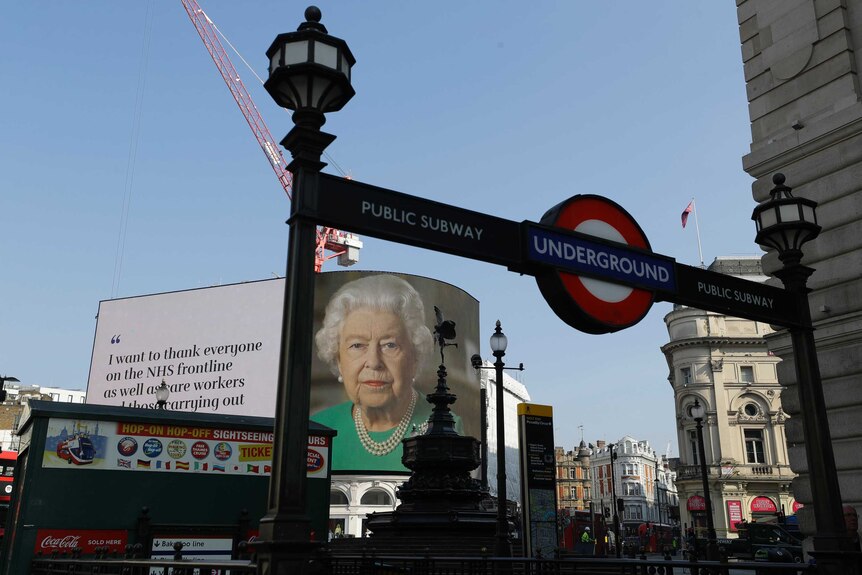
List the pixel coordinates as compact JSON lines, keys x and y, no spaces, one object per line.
{"x":585,"y":536}
{"x":851,"y":524}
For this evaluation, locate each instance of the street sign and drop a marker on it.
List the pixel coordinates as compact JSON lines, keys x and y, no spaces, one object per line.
{"x":590,"y":256}
{"x":722,"y":293}
{"x":591,"y":259}
{"x":585,"y":300}
{"x":378,"y":212}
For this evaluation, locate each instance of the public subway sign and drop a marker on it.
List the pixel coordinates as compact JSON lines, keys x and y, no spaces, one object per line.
{"x":732,"y":295}
{"x":378,"y":212}
{"x":592,"y":261}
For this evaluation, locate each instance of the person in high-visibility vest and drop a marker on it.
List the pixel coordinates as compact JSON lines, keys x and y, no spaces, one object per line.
{"x":585,"y":536}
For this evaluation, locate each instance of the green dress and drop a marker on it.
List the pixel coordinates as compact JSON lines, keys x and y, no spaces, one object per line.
{"x":348,"y":453}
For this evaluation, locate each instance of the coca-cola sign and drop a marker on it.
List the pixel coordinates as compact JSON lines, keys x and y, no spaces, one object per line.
{"x":49,"y":541}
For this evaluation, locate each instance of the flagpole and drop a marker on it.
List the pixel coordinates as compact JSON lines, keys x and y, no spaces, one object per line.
{"x":697,"y":229}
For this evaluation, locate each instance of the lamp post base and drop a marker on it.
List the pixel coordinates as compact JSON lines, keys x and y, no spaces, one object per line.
{"x":712,"y":551}
{"x":287,"y":557}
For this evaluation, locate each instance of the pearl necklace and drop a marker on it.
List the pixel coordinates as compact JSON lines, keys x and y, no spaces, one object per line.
{"x":385,"y":447}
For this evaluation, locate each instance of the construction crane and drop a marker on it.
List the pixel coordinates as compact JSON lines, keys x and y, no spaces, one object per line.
{"x":342,"y":245}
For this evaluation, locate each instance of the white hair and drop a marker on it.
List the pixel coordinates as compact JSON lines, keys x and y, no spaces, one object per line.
{"x":384,"y":292}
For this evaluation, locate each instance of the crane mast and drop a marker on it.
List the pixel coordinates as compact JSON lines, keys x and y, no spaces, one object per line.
{"x":343,"y":245}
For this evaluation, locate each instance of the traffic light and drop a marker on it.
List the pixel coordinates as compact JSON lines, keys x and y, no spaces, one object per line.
{"x":607,"y":511}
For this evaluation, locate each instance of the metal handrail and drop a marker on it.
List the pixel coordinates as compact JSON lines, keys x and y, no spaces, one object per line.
{"x":56,"y":565}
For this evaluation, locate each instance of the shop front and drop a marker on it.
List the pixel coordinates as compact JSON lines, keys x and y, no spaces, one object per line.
{"x":696,"y":507}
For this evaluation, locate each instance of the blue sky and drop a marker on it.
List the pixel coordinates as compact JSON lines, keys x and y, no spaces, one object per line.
{"x":497,"y":107}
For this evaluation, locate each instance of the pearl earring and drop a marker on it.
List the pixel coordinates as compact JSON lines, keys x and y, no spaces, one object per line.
{"x":340,"y":379}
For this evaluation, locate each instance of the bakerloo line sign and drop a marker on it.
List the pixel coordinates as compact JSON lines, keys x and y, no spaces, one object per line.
{"x":591,"y":260}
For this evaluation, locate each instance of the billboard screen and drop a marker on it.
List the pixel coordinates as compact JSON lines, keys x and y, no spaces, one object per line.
{"x":217,"y":351}
{"x":375,"y":361}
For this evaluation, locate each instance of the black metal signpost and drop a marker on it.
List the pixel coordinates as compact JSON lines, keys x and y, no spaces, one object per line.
{"x":389,"y":215}
{"x":544,"y":251}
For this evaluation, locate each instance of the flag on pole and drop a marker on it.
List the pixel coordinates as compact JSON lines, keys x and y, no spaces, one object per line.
{"x":686,"y":212}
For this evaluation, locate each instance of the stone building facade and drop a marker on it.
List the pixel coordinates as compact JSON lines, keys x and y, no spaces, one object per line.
{"x":643,"y":481}
{"x":805,"y":106}
{"x":723,"y":362}
{"x":574,"y":479}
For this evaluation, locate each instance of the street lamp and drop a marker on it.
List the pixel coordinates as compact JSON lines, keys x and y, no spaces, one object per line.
{"x":3,"y":380}
{"x":162,"y":394}
{"x":499,"y":341}
{"x":697,"y":413}
{"x":309,"y":73}
{"x":784,"y":223}
{"x":656,"y":489}
{"x":616,"y":519}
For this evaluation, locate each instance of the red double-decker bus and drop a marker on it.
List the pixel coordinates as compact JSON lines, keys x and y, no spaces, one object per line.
{"x":7,"y":470}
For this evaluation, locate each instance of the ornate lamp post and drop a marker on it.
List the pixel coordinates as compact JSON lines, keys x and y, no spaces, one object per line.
{"x":3,"y":380}
{"x":616,"y":505}
{"x":309,"y":73}
{"x":784,"y":223}
{"x":499,"y":342}
{"x":697,"y":413}
{"x":162,"y":394}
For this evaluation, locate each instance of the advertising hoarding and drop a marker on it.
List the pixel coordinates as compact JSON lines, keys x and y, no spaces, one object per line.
{"x":734,"y":513}
{"x":50,"y":541}
{"x":217,"y":349}
{"x":132,"y":446}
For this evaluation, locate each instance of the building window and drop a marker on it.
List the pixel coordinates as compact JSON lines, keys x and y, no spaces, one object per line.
{"x":685,"y":374}
{"x":750,"y":409}
{"x":746,"y":374}
{"x":375,"y":497}
{"x":754,"y":446}
{"x":337,"y":497}
{"x":692,"y":441}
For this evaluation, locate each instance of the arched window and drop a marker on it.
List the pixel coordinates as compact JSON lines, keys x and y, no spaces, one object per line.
{"x":337,"y":497}
{"x":375,"y":497}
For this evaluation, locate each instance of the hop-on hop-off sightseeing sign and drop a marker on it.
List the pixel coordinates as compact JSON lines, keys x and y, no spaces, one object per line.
{"x":592,"y":261}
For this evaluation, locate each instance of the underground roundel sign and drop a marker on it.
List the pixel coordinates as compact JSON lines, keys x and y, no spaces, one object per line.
{"x":586,"y":302}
